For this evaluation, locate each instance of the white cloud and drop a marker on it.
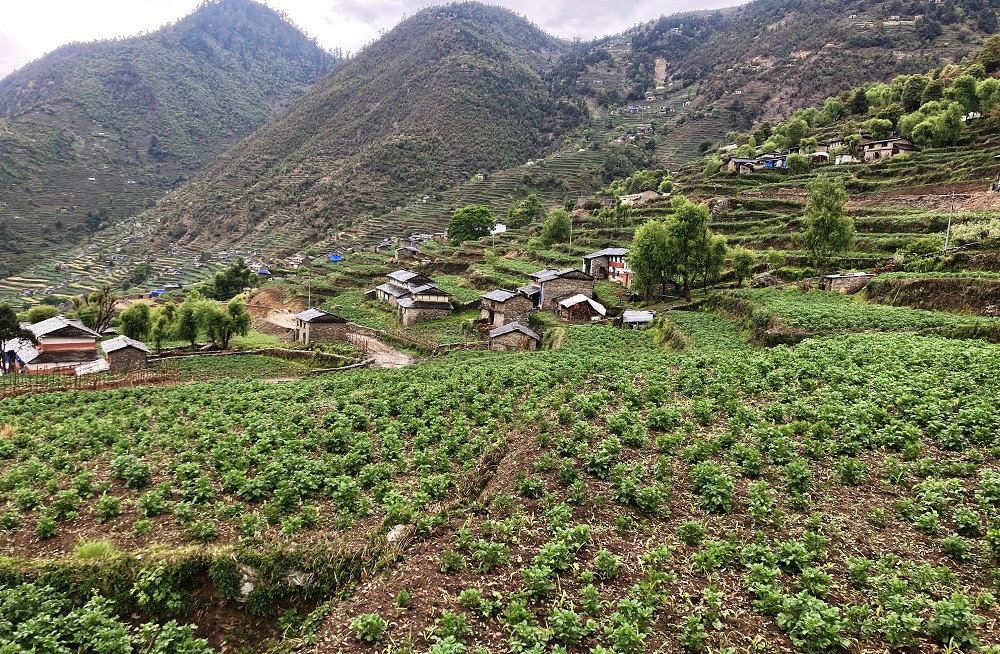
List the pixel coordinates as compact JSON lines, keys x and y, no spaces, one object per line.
{"x":32,"y":28}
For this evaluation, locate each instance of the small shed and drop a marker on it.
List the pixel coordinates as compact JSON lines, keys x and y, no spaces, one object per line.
{"x":848,"y":283}
{"x":514,"y":337}
{"x":580,"y":307}
{"x":637,"y":319}
{"x":125,"y":354}
{"x":314,"y":325}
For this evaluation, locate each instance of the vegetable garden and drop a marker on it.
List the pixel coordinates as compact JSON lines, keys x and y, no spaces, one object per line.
{"x":612,"y":495}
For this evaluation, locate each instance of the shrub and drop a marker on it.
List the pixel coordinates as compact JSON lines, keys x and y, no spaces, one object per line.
{"x":46,"y":527}
{"x":954,"y":621}
{"x":606,"y":564}
{"x":369,"y":627}
{"x":452,"y":562}
{"x":713,"y":486}
{"x":691,"y":533}
{"x":811,"y":623}
{"x":107,"y":508}
{"x":849,"y":471}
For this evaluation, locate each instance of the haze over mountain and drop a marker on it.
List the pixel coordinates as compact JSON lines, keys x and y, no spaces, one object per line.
{"x":98,"y":131}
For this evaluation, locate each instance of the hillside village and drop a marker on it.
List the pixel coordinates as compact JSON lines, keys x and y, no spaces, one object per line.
{"x":685,"y":339}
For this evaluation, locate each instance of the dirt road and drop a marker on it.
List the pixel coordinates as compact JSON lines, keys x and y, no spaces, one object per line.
{"x":382,"y":355}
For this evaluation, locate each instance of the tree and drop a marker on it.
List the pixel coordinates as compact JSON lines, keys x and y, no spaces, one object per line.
{"x":231,"y":281}
{"x":858,"y":103}
{"x":667,"y":185}
{"x":928,"y":29}
{"x":797,"y":164}
{"x":989,"y":54}
{"x":236,"y":323}
{"x":832,"y":110}
{"x":795,"y":131}
{"x":743,"y":262}
{"x":186,"y":325}
{"x":933,"y":91}
{"x":964,"y":91}
{"x":140,"y":274}
{"x":712,"y":166}
{"x":160,"y":330}
{"x":97,"y":309}
{"x":688,"y":238}
{"x":135,"y":321}
{"x":828,"y":231}
{"x":713,"y":258}
{"x":879,"y":127}
{"x":525,"y":212}
{"x":557,"y":228}
{"x":647,"y":257}
{"x":40,"y":313}
{"x":913,"y":91}
{"x":470,"y":222}
{"x":11,"y":330}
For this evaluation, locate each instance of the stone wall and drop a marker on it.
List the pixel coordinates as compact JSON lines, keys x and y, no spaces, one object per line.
{"x":848,"y":285}
{"x":599,"y":267}
{"x":513,"y":342}
{"x":411,"y":316}
{"x":558,"y":289}
{"x":127,"y":360}
{"x":322,"y":332}
{"x":516,"y":309}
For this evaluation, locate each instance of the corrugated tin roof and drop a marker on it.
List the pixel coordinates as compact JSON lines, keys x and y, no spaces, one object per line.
{"x":121,"y":343}
{"x":410,"y":303}
{"x":499,"y":295}
{"x":580,"y":298}
{"x":393,"y":290}
{"x":403,"y":275}
{"x":638,"y":316}
{"x":607,"y":252}
{"x":56,"y":323}
{"x":514,"y":327}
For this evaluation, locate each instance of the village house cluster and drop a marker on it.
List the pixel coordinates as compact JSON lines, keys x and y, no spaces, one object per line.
{"x":870,"y":151}
{"x":69,"y":347}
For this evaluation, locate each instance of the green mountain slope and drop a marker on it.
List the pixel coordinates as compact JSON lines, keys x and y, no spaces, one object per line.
{"x":93,"y":132}
{"x":449,"y":93}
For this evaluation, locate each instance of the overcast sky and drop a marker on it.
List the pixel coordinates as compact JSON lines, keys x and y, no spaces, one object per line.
{"x":30,"y":28}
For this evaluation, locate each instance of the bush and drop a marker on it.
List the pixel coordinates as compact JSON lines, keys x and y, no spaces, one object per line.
{"x":691,"y":533}
{"x":954,"y":621}
{"x":369,"y":627}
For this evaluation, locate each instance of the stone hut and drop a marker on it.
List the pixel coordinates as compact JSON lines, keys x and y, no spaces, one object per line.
{"x":315,"y":325}
{"x":513,"y":337}
{"x":556,"y":285}
{"x":848,"y":283}
{"x":425,"y":303}
{"x":125,"y":354}
{"x":501,"y":306}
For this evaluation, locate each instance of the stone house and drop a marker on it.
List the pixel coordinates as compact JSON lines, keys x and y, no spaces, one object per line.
{"x":609,"y":264}
{"x":513,"y":337}
{"x":125,"y":354}
{"x":501,"y":306}
{"x":555,"y":285}
{"x":316,"y":325}
{"x":424,"y":303}
{"x":742,"y":165}
{"x":580,"y":308}
{"x":415,"y":297}
{"x":875,"y":151}
{"x":407,"y":252}
{"x":848,"y":283}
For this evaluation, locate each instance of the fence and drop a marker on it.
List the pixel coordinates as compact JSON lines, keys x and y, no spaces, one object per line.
{"x":14,"y":384}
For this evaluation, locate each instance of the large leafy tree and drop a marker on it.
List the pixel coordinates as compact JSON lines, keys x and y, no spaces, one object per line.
{"x":647,"y":257}
{"x":231,"y":281}
{"x":136,"y":321}
{"x":557,"y":227}
{"x":989,"y":54}
{"x":743,"y":262}
{"x":688,"y":238}
{"x":221,"y":324}
{"x":828,"y":230}
{"x":470,"y":222}
{"x":11,"y":330}
{"x":525,"y":212}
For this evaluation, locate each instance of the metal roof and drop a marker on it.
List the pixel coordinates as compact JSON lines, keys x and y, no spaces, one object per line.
{"x":121,"y":343}
{"x":56,"y":323}
{"x":638,"y":316}
{"x":499,"y":295}
{"x":393,"y":290}
{"x":580,"y":298}
{"x":410,"y":303}
{"x":514,"y":327}
{"x":318,"y":315}
{"x":402,"y":275}
{"x":607,"y":252}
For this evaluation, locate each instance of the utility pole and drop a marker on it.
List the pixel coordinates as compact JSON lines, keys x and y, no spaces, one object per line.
{"x":947,"y":234}
{"x":309,"y":286}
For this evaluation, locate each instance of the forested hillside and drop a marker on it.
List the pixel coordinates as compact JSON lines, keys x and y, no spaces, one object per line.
{"x":94,"y":132}
{"x":449,"y":93}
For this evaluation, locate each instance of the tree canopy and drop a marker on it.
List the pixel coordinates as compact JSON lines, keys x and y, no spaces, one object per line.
{"x":470,"y":222}
{"x":828,"y":230}
{"x":557,"y":228}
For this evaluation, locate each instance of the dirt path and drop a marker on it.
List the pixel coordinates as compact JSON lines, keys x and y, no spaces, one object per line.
{"x":381,"y":355}
{"x":283,"y":320}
